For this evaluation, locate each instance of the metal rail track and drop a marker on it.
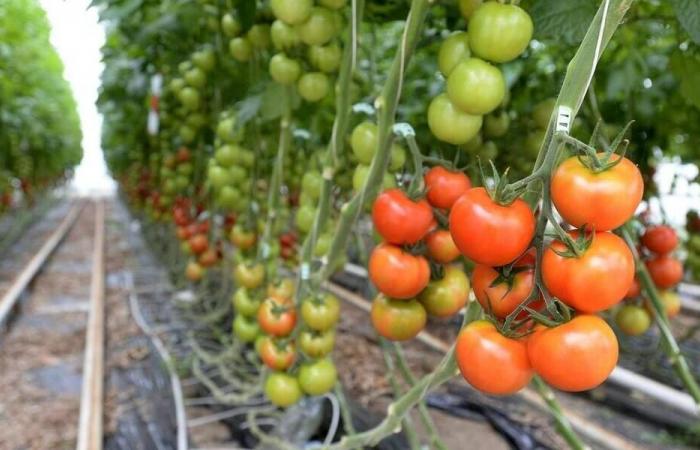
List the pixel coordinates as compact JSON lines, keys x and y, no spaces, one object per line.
{"x":10,"y":299}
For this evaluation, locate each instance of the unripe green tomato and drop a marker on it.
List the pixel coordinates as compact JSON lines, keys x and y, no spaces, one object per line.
{"x":187,"y":134}
{"x":474,"y":144}
{"x":189,"y":97}
{"x":467,"y":7}
{"x":453,"y":50}
{"x":291,"y":12}
{"x":246,"y":329}
{"x":196,"y":120}
{"x":169,"y":186}
{"x":246,"y":158}
{"x":317,"y":345}
{"x":325,"y":58}
{"x":283,"y":36}
{"x":318,"y":377}
{"x":311,"y":184}
{"x":204,"y":59}
{"x":313,"y":86}
{"x":185,"y":248}
{"x":282,"y":389}
{"x":227,"y":155}
{"x":304,"y":219}
{"x":184,"y":66}
{"x":305,"y":199}
{"x":361,"y":173}
{"x":259,"y":36}
{"x":319,"y":28}
{"x":476,"y":87}
{"x":449,"y":124}
{"x":542,"y":112}
{"x":182,"y":182}
{"x":398,"y":158}
{"x":533,"y":142}
{"x":230,"y":25}
{"x":333,"y":4}
{"x":240,"y":49}
{"x":218,"y":177}
{"x":244,"y":304}
{"x":184,"y":169}
{"x":488,"y":151}
{"x":176,"y":85}
{"x":196,"y":78}
{"x":496,"y":125}
{"x":284,"y":70}
{"x":633,"y":320}
{"x":363,"y":142}
{"x":237,"y":175}
{"x":229,"y":197}
{"x":225,"y":130}
{"x":323,"y":245}
{"x":499,"y":32}
{"x":321,"y":314}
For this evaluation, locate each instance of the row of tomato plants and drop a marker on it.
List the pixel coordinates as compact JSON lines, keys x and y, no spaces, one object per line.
{"x":540,"y":281}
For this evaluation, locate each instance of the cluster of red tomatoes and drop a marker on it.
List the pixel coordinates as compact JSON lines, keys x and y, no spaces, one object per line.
{"x":193,"y":235}
{"x":590,"y":272}
{"x":399,"y":267}
{"x":657,"y":244}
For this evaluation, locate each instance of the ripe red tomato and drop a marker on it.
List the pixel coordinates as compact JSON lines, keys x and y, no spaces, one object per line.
{"x":596,"y":280}
{"x":276,"y":355}
{"x":441,"y":247}
{"x":400,"y":220}
{"x":208,"y":257}
{"x":198,"y":243}
{"x":665,"y":270}
{"x":660,"y":239}
{"x":397,"y":273}
{"x":601,"y":201}
{"x":397,"y":320}
{"x":446,"y":296}
{"x":502,"y":295}
{"x":491,"y":362}
{"x":445,"y":186}
{"x":489,"y":233}
{"x":277,"y":316}
{"x":635,"y":289}
{"x":575,"y":356}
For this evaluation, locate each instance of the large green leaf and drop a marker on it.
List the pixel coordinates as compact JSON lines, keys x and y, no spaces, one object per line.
{"x":688,"y":13}
{"x":562,"y":21}
{"x":687,"y":68}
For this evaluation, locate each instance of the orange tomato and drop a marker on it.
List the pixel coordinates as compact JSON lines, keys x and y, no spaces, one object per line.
{"x":594,"y":281}
{"x":600,"y":200}
{"x":396,"y":273}
{"x":575,"y":356}
{"x":491,"y":362}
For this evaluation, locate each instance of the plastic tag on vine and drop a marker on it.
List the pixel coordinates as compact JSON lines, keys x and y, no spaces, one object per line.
{"x":302,"y":133}
{"x":305,"y":270}
{"x":265,"y":249}
{"x":564,"y":119}
{"x":255,"y":207}
{"x":363,"y":107}
{"x":403,"y":129}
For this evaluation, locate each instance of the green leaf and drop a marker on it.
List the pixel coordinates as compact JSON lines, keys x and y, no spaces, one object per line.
{"x":564,"y":21}
{"x":688,"y":14}
{"x":122,"y":11}
{"x":687,"y":68}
